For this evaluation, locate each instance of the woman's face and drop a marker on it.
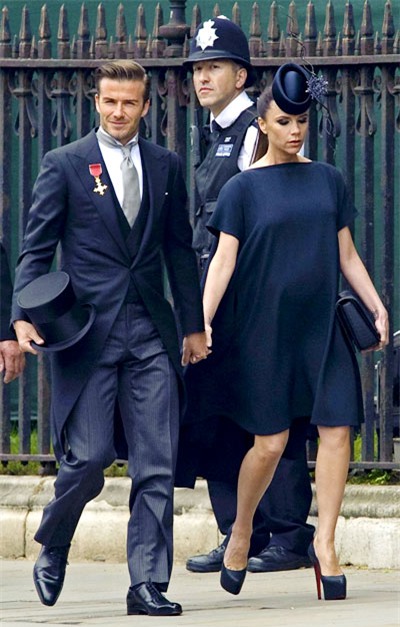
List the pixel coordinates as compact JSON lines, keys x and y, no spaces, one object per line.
{"x":285,"y":132}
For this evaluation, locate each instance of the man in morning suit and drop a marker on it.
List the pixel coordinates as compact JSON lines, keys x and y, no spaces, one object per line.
{"x":114,"y":236}
{"x":220,"y":61}
{"x":12,"y":360}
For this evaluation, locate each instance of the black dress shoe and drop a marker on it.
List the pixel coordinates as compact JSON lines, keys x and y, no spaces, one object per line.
{"x":147,"y":599}
{"x":209,"y":563}
{"x":49,"y":573}
{"x":275,"y":558}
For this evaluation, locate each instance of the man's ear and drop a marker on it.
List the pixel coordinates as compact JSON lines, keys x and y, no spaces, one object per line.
{"x":146,"y":107}
{"x":241,"y":77}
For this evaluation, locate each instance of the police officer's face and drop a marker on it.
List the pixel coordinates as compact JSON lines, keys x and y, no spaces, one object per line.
{"x":217,"y":82}
{"x":121,"y":105}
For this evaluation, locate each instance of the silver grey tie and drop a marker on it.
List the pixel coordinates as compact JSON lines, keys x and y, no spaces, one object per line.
{"x":130,"y":180}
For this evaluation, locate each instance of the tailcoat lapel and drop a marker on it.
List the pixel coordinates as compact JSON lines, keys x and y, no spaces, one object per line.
{"x":88,"y":152}
{"x":156,"y":166}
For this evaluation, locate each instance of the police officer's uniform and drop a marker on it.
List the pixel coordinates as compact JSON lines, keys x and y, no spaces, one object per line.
{"x":219,"y":165}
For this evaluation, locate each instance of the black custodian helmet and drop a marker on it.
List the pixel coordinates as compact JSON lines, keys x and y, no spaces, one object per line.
{"x":220,"y":38}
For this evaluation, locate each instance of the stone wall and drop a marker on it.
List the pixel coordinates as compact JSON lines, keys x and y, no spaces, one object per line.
{"x":368,"y":532}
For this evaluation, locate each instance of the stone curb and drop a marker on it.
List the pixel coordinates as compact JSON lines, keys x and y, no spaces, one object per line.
{"x":368,"y":532}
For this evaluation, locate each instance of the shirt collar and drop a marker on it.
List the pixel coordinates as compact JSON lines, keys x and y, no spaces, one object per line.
{"x":133,"y":139}
{"x":232,"y":111}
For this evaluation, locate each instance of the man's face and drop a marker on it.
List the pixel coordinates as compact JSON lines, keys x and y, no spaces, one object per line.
{"x":217,"y":82}
{"x":120,"y":105}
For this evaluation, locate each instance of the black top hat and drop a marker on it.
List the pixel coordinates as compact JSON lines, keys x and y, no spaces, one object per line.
{"x":290,"y":88}
{"x":220,"y":38}
{"x":51,"y":305}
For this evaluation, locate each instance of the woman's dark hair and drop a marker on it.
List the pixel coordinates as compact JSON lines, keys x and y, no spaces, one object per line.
{"x":264,"y":101}
{"x":123,"y":70}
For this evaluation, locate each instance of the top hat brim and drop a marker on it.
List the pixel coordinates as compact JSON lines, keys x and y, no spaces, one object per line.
{"x":67,"y":343}
{"x":209,"y":55}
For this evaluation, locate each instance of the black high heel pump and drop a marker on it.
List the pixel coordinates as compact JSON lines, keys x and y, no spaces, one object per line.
{"x":334,"y":586}
{"x":232,"y":580}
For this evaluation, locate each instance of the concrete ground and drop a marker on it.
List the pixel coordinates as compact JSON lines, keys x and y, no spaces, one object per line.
{"x":94,"y":594}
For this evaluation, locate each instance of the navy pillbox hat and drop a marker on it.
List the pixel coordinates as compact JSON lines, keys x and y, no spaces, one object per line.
{"x":220,"y":38}
{"x":290,"y":88}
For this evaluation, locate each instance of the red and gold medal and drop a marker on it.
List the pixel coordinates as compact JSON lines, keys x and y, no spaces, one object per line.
{"x":96,"y":171}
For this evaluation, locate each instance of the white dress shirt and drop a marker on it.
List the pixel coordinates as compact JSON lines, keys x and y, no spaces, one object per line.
{"x":113,"y":158}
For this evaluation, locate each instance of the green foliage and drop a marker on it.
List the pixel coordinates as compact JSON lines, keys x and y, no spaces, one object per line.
{"x":116,"y":470}
{"x":357,"y":447}
{"x":19,"y":468}
{"x":16,"y":468}
{"x":374,"y":477}
{"x":34,"y":468}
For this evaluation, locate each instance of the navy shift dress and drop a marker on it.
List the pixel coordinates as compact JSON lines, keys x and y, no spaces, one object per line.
{"x":278,"y":352}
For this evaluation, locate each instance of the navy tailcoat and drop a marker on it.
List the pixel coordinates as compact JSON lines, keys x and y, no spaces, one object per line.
{"x":66,"y":209}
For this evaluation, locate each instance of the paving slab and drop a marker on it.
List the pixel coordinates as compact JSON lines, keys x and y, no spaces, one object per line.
{"x":94,"y":594}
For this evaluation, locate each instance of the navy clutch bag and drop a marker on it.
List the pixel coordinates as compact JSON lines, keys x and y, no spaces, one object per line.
{"x":357,"y":321}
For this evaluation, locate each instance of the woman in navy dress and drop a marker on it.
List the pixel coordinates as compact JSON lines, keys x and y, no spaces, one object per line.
{"x":283,"y":239}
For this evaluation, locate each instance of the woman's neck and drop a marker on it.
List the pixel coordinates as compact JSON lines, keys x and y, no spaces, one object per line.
{"x":276,"y":157}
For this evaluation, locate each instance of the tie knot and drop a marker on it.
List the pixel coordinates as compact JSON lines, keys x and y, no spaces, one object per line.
{"x":126,"y":150}
{"x":108,"y":140}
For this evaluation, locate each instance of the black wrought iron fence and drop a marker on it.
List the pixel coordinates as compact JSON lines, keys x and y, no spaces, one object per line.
{"x":46,"y":100}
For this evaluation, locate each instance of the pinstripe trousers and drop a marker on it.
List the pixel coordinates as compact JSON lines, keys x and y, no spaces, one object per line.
{"x":135,"y":371}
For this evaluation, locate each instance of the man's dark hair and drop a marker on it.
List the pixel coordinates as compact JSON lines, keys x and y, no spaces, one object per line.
{"x":123,"y":70}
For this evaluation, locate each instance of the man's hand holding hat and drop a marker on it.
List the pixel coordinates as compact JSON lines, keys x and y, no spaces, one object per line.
{"x":26,"y":333}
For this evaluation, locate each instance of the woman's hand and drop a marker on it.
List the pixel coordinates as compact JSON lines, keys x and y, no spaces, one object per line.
{"x":356,"y":274}
{"x":208,"y":335}
{"x":382,"y":326}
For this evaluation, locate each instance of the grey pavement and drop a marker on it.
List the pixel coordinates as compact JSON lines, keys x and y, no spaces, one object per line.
{"x":94,"y":594}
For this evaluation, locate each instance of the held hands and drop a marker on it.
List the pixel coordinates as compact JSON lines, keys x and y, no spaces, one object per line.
{"x":194,"y":348}
{"x":208,"y":335}
{"x":26,"y":333}
{"x":12,"y":360}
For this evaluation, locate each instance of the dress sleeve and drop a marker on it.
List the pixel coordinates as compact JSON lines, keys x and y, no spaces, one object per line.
{"x":228,"y":215}
{"x":346,"y":211}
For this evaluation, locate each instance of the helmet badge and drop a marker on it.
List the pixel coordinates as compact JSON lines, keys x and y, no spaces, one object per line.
{"x":206,"y":35}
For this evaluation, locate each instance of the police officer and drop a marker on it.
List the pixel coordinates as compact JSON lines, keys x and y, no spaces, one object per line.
{"x":220,"y":61}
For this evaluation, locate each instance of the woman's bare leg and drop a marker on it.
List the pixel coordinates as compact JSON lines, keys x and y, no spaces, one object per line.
{"x":255,"y":475}
{"x":330,"y":479}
